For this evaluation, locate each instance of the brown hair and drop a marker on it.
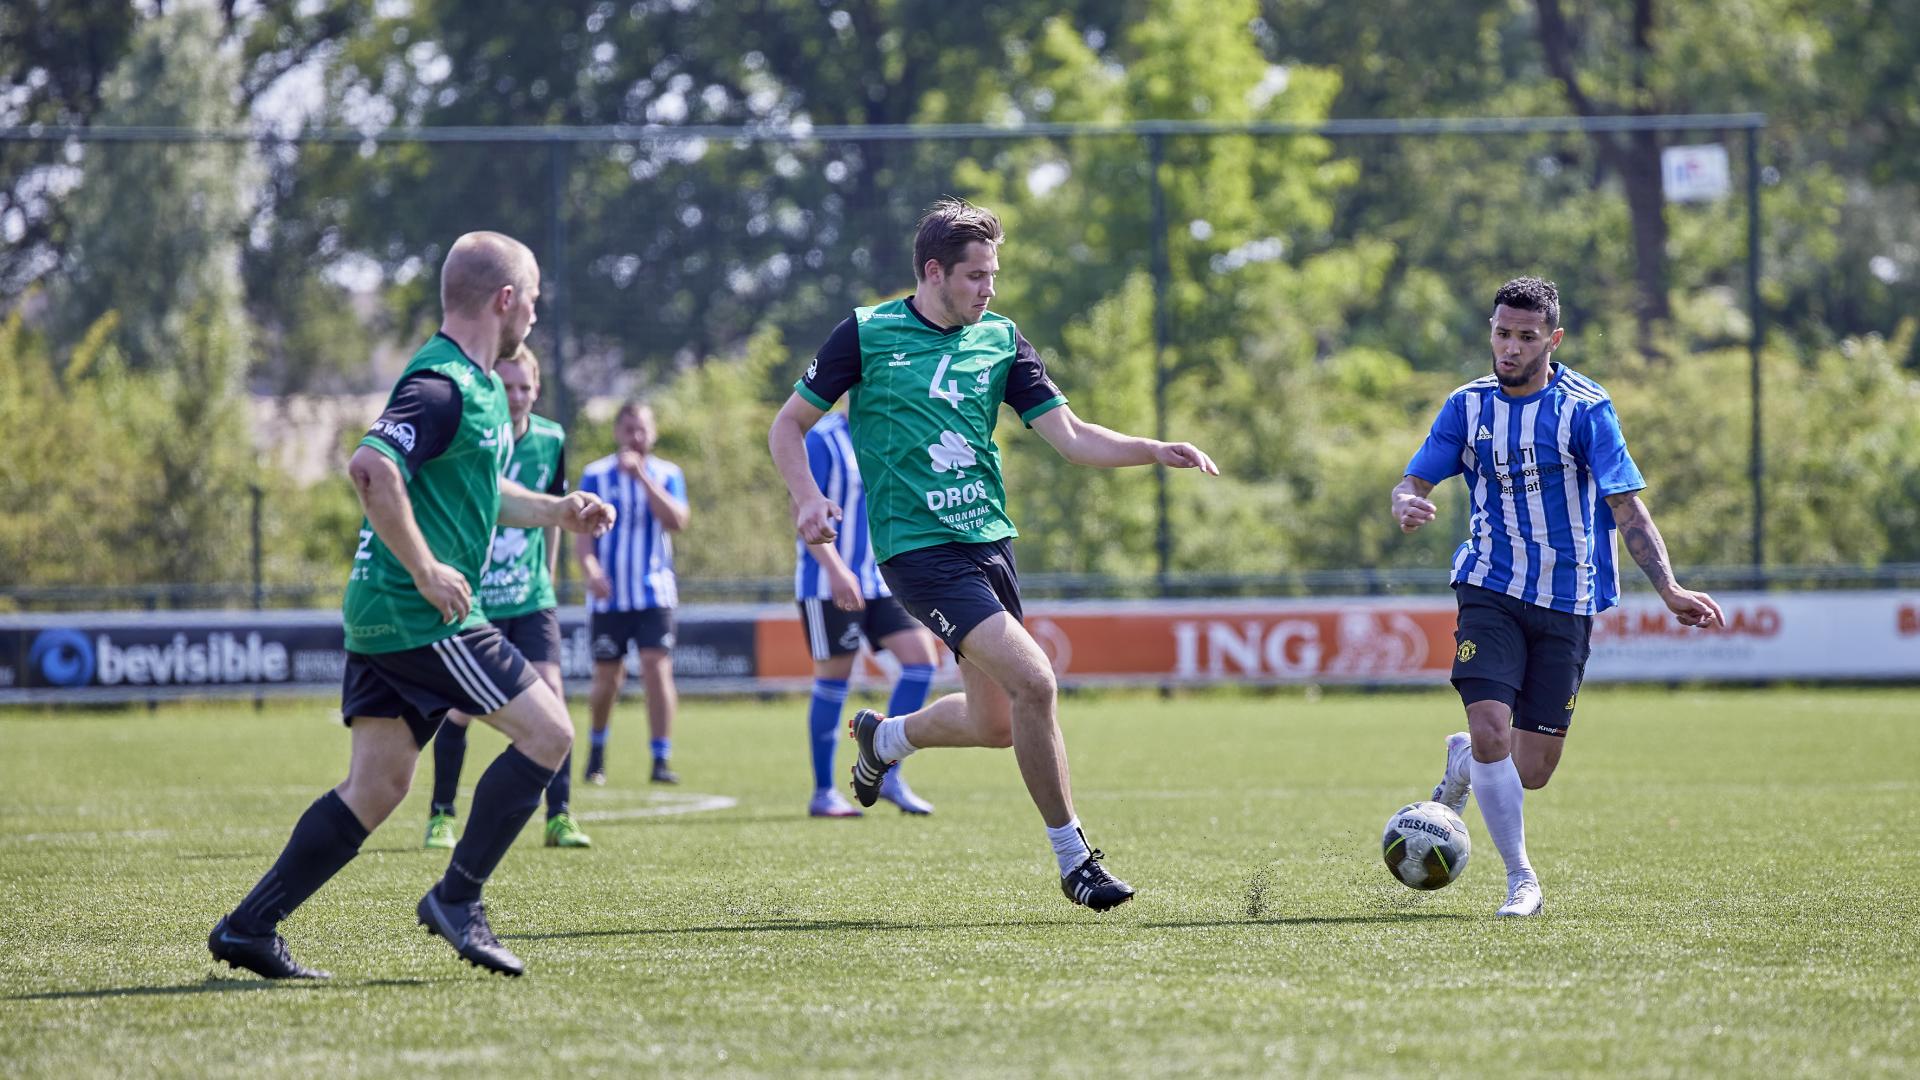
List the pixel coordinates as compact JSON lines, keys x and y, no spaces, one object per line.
{"x":945,"y":231}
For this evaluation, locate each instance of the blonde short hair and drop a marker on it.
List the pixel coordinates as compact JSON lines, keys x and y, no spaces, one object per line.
{"x":525,"y":358}
{"x":479,"y":265}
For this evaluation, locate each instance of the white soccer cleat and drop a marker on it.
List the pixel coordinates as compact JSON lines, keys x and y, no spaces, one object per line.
{"x":1451,"y":791}
{"x":1523,"y":899}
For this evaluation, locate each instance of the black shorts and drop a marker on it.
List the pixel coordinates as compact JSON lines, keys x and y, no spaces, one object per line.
{"x":536,"y":634}
{"x":614,"y":632}
{"x":476,"y":671}
{"x":953,"y":587}
{"x":1529,"y":657}
{"x":832,"y":632}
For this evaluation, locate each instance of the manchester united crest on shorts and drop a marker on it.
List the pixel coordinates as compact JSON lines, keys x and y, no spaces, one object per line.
{"x":1467,"y":649}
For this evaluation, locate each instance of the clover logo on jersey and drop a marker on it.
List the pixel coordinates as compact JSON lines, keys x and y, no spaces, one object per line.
{"x":952,"y":454}
{"x":509,"y":544}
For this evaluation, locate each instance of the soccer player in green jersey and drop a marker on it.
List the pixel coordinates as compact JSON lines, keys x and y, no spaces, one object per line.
{"x":429,"y":477}
{"x":927,"y":375}
{"x":517,"y":593}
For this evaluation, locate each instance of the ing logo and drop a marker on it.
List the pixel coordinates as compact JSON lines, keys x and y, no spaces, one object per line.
{"x":1467,"y":649}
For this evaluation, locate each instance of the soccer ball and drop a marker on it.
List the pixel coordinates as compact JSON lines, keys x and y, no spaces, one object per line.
{"x":1425,"y":845}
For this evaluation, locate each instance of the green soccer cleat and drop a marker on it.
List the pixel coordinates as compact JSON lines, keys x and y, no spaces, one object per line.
{"x":440,"y":832}
{"x":563,"y":831}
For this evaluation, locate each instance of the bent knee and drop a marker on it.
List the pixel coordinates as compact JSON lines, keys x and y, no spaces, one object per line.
{"x":380,"y":792}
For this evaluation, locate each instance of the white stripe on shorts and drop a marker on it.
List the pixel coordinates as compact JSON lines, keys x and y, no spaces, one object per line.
{"x":817,"y":642}
{"x":459,"y":664}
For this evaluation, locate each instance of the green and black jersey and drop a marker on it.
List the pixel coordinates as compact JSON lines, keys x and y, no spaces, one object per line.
{"x":518,"y":580}
{"x":925,"y":401}
{"x":446,"y":426}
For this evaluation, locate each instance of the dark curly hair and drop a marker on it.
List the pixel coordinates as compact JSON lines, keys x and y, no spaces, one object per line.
{"x":1531,"y":294}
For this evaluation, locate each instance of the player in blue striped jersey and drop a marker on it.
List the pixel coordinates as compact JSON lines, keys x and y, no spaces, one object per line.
{"x":843,"y":601}
{"x":631,"y":585}
{"x":1551,"y":486}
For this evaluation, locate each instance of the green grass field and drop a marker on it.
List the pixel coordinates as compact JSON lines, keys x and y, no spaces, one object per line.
{"x":1730,"y":876}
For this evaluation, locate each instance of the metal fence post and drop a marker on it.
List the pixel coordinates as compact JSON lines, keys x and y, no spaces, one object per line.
{"x":1162,"y":333}
{"x":1756,"y":340}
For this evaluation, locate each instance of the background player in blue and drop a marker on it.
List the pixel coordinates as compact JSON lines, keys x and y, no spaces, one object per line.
{"x":630,"y":583}
{"x":517,"y":593}
{"x":1551,"y":484}
{"x":844,"y":601}
{"x":428,"y":477}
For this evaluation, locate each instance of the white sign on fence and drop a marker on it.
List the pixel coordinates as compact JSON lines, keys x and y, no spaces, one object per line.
{"x":1695,"y":173}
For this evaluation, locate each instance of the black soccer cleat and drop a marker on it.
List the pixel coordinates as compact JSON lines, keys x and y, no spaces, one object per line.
{"x":263,"y":954}
{"x":464,"y":926}
{"x":1091,"y":886}
{"x":868,"y":769}
{"x":662,"y":774}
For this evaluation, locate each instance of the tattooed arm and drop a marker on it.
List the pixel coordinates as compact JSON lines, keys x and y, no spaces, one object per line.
{"x":1643,"y":542}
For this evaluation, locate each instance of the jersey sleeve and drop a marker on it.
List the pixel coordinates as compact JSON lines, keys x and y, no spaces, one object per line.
{"x":1030,"y":391}
{"x":1605,"y":453}
{"x":1440,"y":456}
{"x":835,"y":368}
{"x":677,"y":484}
{"x":419,"y":423}
{"x":819,"y":459}
{"x":558,"y":485}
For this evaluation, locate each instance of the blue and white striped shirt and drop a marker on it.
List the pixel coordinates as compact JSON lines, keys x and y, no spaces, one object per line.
{"x":637,"y":553}
{"x":837,"y":471}
{"x":1539,"y":470}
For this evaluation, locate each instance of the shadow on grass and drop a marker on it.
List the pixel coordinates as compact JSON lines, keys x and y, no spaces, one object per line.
{"x":1308,"y":920}
{"x":215,"y":984}
{"x":884,"y":925}
{"x":767,"y":926}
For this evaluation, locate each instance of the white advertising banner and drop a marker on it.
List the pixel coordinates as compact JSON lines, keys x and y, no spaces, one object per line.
{"x":1801,"y":635}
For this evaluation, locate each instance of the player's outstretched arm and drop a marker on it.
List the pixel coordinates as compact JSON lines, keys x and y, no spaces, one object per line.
{"x":1643,"y":541}
{"x":389,"y":510}
{"x":814,"y":514}
{"x":576,"y":511}
{"x":1411,"y":509}
{"x":1090,"y":444}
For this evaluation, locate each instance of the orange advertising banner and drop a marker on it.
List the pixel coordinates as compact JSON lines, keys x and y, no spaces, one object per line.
{"x":1268,"y":641}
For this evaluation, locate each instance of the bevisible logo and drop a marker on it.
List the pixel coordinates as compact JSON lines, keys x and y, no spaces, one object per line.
{"x":1484,"y":434}
{"x":980,"y":382}
{"x":64,"y":657}
{"x":850,"y":637}
{"x":899,"y":356}
{"x":952,"y":454}
{"x":813,"y":369}
{"x":1570,"y":699}
{"x":1467,"y":649}
{"x":401,"y":434}
{"x":899,"y":360}
{"x":509,"y":544}
{"x":945,"y":626}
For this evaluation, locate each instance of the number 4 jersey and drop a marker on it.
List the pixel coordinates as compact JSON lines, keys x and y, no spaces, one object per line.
{"x":924,"y":403}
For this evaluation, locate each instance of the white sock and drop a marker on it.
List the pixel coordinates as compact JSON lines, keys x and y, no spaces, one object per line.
{"x":1069,"y":846}
{"x":890,"y":740}
{"x":1496,"y":786}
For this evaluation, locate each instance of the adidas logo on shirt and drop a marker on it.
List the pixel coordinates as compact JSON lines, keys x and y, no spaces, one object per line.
{"x":1484,"y":434}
